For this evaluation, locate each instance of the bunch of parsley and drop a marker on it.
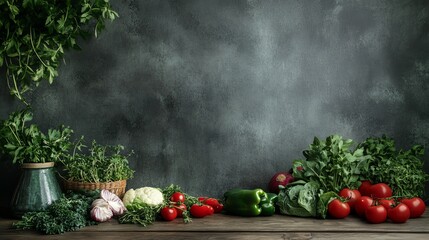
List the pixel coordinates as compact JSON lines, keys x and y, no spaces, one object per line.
{"x":35,"y":35}
{"x":401,"y":169}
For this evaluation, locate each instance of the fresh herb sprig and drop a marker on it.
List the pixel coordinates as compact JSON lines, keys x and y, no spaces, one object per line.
{"x":35,"y":34}
{"x":69,"y":213}
{"x":332,"y":164}
{"x":141,"y":213}
{"x":402,"y":170}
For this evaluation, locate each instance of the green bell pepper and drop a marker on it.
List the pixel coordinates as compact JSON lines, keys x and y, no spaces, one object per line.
{"x":247,"y":203}
{"x":268,"y":204}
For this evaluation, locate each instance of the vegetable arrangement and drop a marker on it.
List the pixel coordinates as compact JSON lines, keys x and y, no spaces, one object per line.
{"x":375,"y":181}
{"x":145,"y":205}
{"x":328,"y":183}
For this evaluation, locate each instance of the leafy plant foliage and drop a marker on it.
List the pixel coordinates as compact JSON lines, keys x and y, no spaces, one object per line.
{"x":99,"y":164}
{"x":401,"y":170}
{"x":68,"y":213}
{"x":28,"y":144}
{"x":332,"y":164}
{"x":35,"y":33}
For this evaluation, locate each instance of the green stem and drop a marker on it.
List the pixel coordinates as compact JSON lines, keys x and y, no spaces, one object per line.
{"x":34,"y":49}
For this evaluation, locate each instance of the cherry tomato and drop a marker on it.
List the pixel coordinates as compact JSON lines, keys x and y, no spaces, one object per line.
{"x":169,"y":213}
{"x":210,"y":201}
{"x":416,"y":205}
{"x":177,"y":197}
{"x":380,"y":190}
{"x":213,"y":202}
{"x":364,"y":187}
{"x":218,"y":208}
{"x":350,"y":195}
{"x":376,"y":214}
{"x":362,"y":204}
{"x":386,"y":203}
{"x":199,"y":211}
{"x":209,"y":209}
{"x":180,"y":208}
{"x":399,"y":213}
{"x":338,"y":209}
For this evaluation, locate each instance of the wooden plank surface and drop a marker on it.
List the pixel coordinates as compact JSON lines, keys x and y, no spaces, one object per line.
{"x":220,"y":236}
{"x":220,"y":226}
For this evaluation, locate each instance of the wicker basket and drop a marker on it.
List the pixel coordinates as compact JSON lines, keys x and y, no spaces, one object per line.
{"x":117,"y":187}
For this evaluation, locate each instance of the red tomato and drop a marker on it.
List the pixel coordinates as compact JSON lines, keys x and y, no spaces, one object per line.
{"x":350,"y":195}
{"x":399,"y":213}
{"x":209,"y":209}
{"x":218,"y":208}
{"x":180,"y":208}
{"x":169,"y":213}
{"x":338,"y":209}
{"x":376,"y":214}
{"x":416,"y":205}
{"x":362,"y":204}
{"x":380,"y":190}
{"x":177,"y":197}
{"x":364,"y":187}
{"x":200,"y":211}
{"x":386,"y":203}
{"x":213,"y":202}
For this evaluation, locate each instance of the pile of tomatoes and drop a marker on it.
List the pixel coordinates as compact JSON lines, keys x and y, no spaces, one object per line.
{"x":177,"y":207}
{"x":374,"y":202}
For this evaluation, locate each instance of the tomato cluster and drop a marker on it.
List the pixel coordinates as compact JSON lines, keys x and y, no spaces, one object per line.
{"x":176,"y":208}
{"x":375,"y":203}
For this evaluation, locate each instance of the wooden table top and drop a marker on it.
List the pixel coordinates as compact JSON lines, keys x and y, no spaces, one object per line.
{"x":221,"y":226}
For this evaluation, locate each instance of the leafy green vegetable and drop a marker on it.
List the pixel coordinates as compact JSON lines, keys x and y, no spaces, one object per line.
{"x":402,"y":170}
{"x":27,"y":144}
{"x":68,"y":213}
{"x":35,"y":34}
{"x":299,"y":199}
{"x":303,"y":199}
{"x":331,"y":164}
{"x":100,"y":164}
{"x":322,"y":203}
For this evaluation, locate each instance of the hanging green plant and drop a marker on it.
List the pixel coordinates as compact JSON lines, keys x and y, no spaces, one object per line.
{"x":35,"y":33}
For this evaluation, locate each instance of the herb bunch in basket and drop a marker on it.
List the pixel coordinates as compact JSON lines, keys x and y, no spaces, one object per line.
{"x":97,"y":167}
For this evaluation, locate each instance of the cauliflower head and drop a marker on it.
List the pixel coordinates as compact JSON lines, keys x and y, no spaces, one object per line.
{"x":149,"y":195}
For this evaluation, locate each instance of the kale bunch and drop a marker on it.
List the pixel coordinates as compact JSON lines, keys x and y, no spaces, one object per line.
{"x":66,"y":214}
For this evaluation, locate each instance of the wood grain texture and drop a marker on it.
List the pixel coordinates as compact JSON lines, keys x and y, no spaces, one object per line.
{"x":231,"y":227}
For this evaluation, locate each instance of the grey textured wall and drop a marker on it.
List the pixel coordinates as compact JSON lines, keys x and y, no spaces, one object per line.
{"x":219,"y":94}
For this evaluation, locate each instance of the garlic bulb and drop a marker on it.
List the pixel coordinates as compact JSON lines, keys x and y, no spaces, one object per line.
{"x":101,"y":211}
{"x":114,"y":202}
